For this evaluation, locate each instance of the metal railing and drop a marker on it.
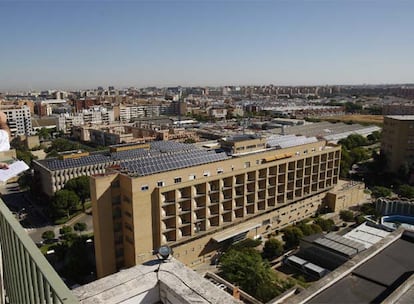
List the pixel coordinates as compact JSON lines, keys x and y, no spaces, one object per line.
{"x":26,"y":276}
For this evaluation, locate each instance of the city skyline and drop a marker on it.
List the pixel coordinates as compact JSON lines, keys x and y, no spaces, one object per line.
{"x":73,"y":44}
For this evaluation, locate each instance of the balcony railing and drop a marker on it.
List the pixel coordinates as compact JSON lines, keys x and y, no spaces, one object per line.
{"x":26,"y":275}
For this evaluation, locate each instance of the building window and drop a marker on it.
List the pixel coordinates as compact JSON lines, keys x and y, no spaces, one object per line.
{"x":126,"y":199}
{"x":219,"y":170}
{"x":117,"y":227}
{"x":116,"y":213}
{"x":192,"y":177}
{"x":115,"y":184}
{"x":160,"y":184}
{"x":206,"y":173}
{"x":128,"y":226}
{"x":144,"y":187}
{"x":247,"y":164}
{"x":177,"y":180}
{"x":116,"y":200}
{"x":129,"y":239}
{"x":119,"y":252}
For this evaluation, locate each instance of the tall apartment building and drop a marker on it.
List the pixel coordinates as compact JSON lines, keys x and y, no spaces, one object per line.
{"x":397,"y":142}
{"x":19,"y":119}
{"x":198,"y":201}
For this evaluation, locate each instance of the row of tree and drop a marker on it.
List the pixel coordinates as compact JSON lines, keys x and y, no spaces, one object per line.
{"x":246,"y":268}
{"x":67,"y":200}
{"x":353,"y":150}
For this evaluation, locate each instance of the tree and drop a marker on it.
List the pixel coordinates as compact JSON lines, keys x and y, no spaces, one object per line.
{"x":64,"y":202}
{"x":346,"y":163}
{"x":406,"y":191}
{"x":305,"y":228}
{"x":43,"y":133}
{"x":272,"y":248}
{"x":353,"y":141}
{"x":65,"y":230}
{"x":292,"y":236}
{"x":374,"y":136}
{"x":48,"y":235}
{"x":326,"y":225}
{"x":359,"y":154}
{"x":346,"y":215}
{"x":25,"y":156}
{"x":80,"y":227}
{"x":316,"y":228}
{"x":379,"y":191}
{"x":360,"y":219}
{"x":247,"y":269}
{"x":80,"y":185}
{"x":189,"y":141}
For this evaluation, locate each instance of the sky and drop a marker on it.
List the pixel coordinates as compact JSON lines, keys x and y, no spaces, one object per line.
{"x":89,"y":43}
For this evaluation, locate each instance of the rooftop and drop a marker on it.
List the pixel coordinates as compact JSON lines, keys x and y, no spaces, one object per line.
{"x":163,"y":156}
{"x":156,"y":282}
{"x":331,"y":131}
{"x":401,"y":117}
{"x":370,"y":277}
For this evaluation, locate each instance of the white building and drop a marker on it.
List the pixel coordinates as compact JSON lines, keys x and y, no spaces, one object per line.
{"x":20,"y":120}
{"x":93,"y":116}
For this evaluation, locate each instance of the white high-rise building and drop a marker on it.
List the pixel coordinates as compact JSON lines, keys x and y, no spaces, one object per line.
{"x":20,"y":120}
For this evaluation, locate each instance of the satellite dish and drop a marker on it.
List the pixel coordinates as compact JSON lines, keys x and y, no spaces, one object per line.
{"x":165,"y":252}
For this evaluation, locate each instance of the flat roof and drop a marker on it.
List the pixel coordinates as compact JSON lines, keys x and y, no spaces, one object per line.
{"x":339,"y":244}
{"x":374,"y":280}
{"x":297,"y":260}
{"x":366,"y":235}
{"x":401,"y":117}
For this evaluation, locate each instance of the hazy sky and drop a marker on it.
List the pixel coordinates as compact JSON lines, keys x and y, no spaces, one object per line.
{"x":80,"y":44}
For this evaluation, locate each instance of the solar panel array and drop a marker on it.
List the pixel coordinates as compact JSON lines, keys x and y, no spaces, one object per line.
{"x":61,"y":164}
{"x":171,"y":161}
{"x":286,"y":141}
{"x":162,"y":156}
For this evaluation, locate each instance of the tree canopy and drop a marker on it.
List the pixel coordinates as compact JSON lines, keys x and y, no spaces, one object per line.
{"x":48,"y":235}
{"x":64,"y":202}
{"x":406,"y":191}
{"x":325,"y":224}
{"x":292,"y":236}
{"x":247,"y":269}
{"x":346,"y":215}
{"x":80,"y":226}
{"x":272,"y":248}
{"x":79,"y":185}
{"x":380,"y":191}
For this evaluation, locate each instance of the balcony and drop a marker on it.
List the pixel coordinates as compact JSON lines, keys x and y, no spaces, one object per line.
{"x":28,"y":276}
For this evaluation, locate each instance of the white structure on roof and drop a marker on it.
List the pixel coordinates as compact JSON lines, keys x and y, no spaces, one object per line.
{"x":286,"y":141}
{"x":366,"y":235}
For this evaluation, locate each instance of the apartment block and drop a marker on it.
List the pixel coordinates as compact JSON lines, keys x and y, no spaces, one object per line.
{"x":19,"y":119}
{"x":199,"y":201}
{"x":397,"y":142}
